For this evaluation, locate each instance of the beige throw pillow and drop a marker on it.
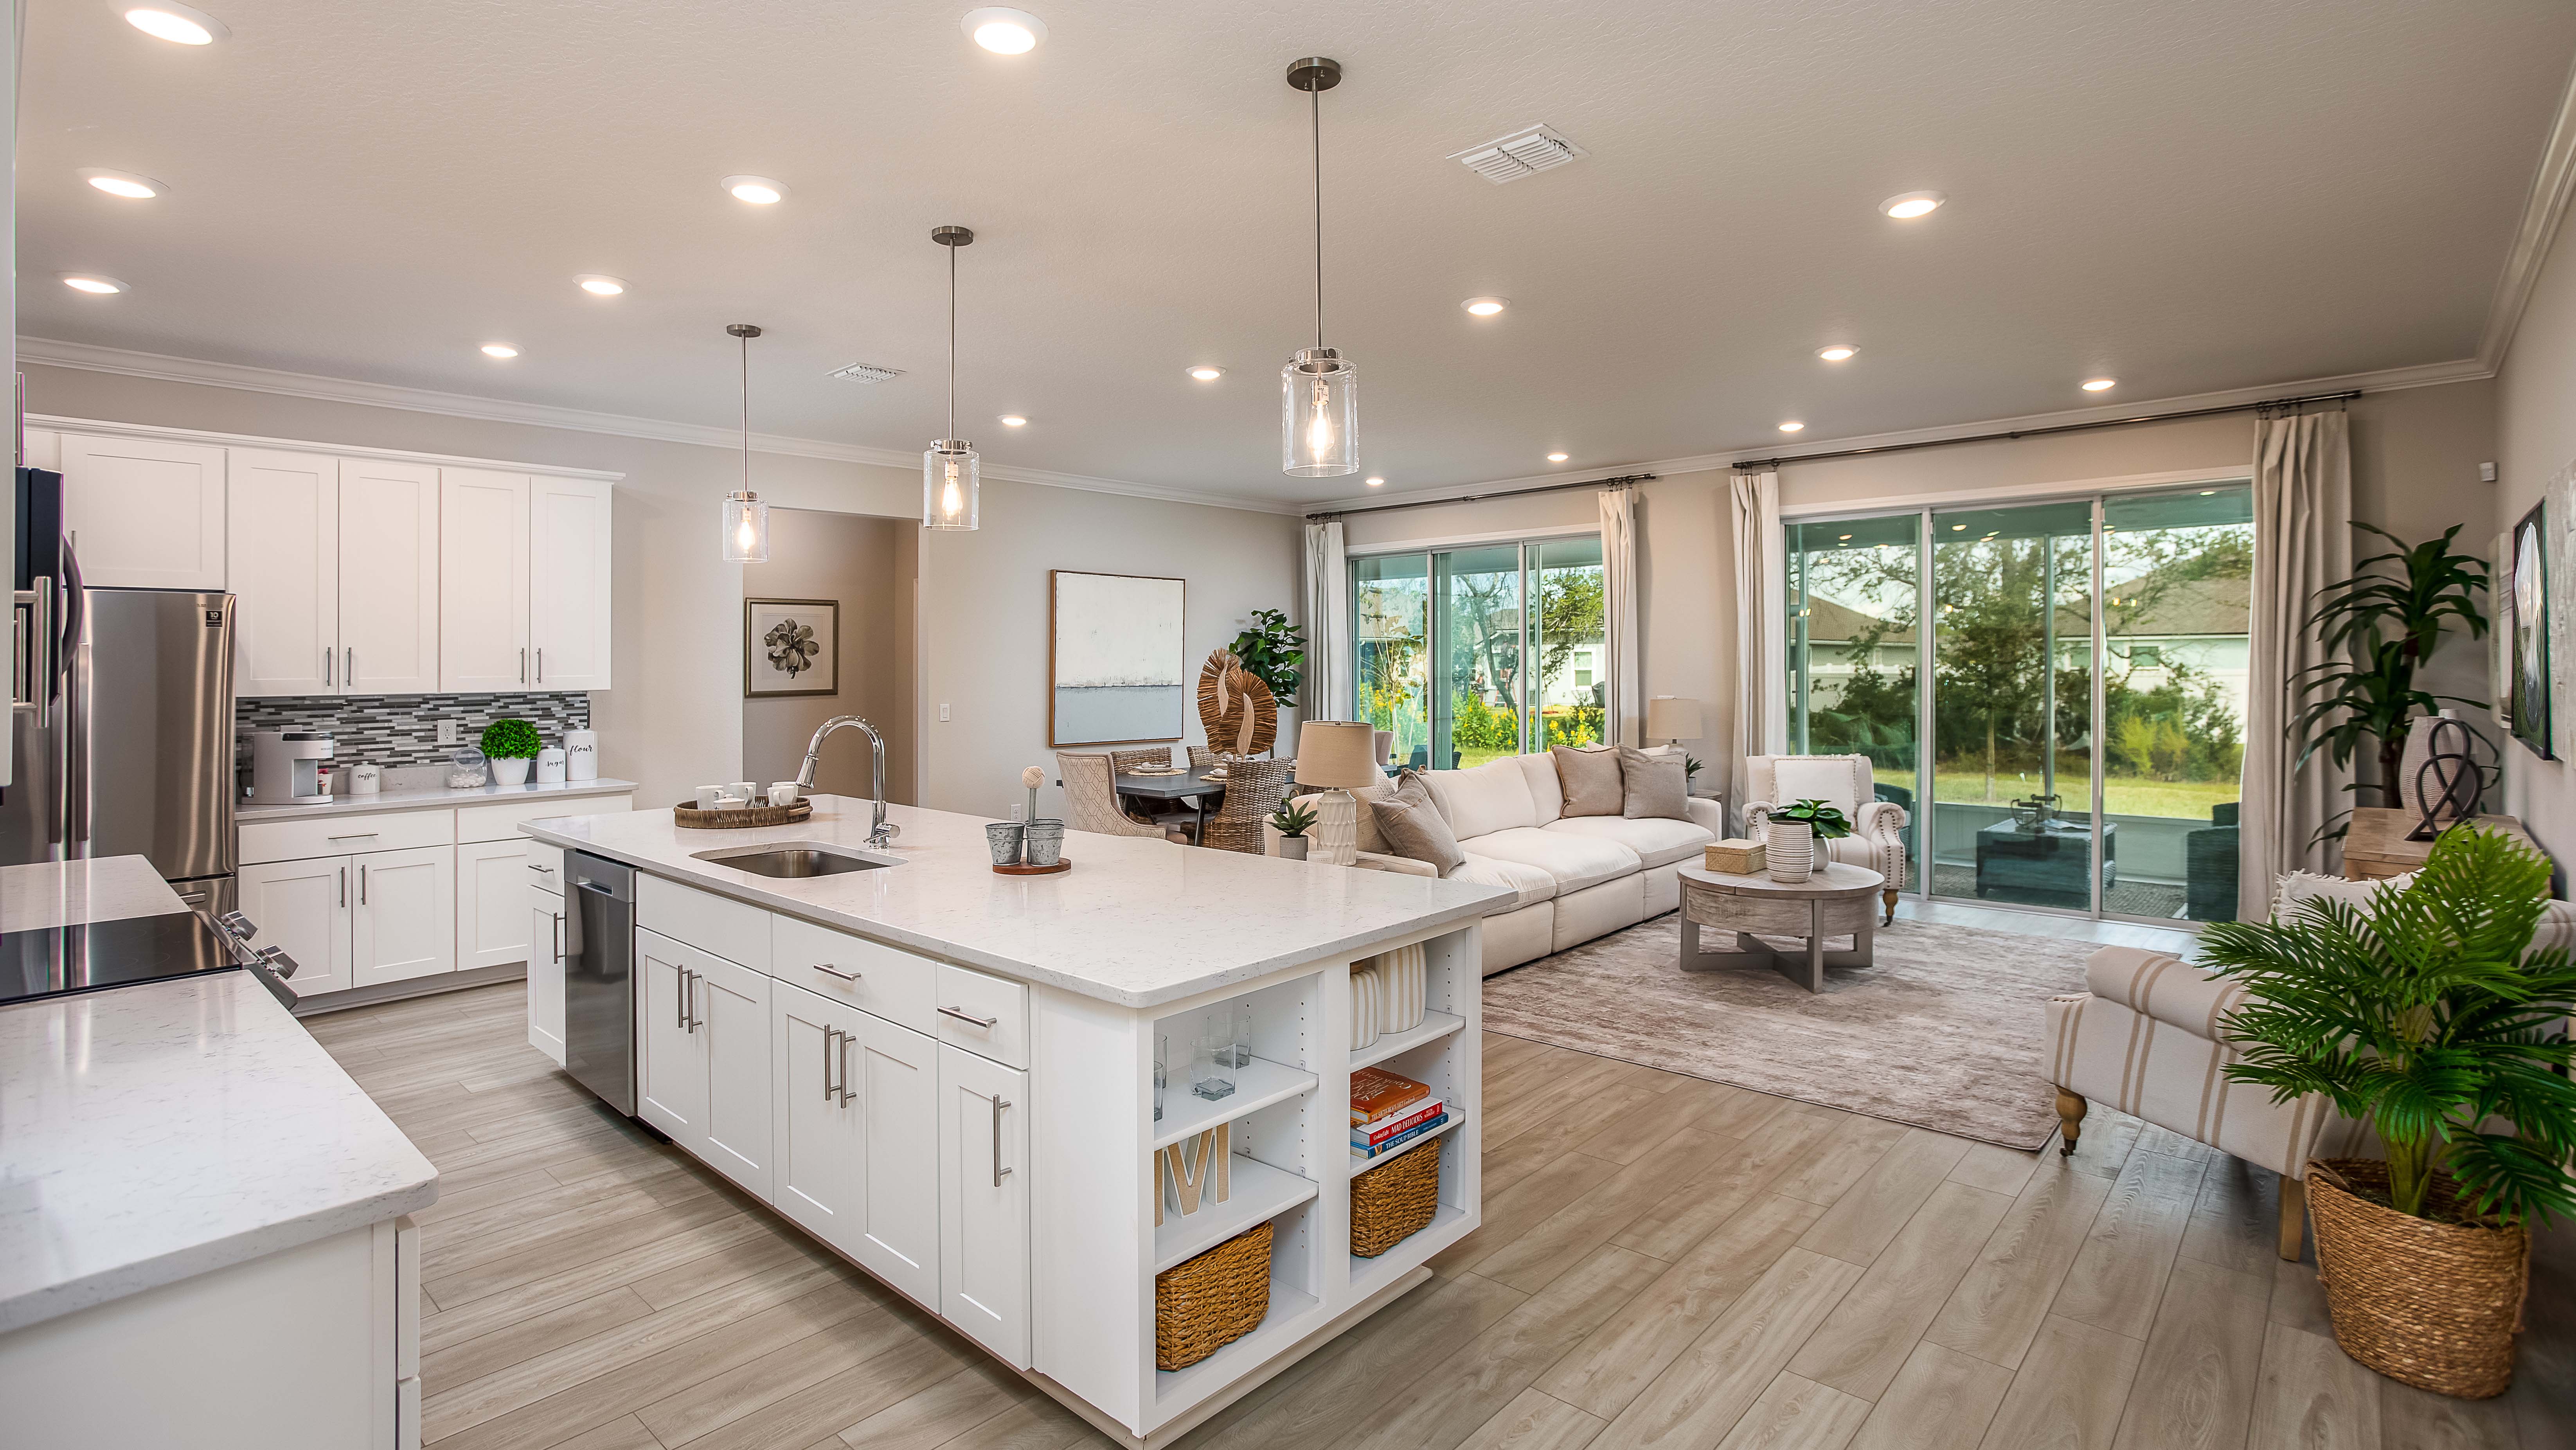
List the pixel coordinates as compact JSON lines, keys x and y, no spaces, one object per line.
{"x":1413,"y":829}
{"x":1657,"y":786}
{"x":1591,"y":780}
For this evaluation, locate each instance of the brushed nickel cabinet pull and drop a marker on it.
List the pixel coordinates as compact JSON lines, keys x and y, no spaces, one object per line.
{"x":846,"y":1040}
{"x":344,"y":886}
{"x":362,"y":883}
{"x":962,"y":1015}
{"x":999,"y":1172}
{"x":523,"y":664}
{"x":829,"y":1033}
{"x":827,"y":969}
{"x":558,"y":916}
{"x":541,"y":664}
{"x":680,"y":997}
{"x":327,"y":663}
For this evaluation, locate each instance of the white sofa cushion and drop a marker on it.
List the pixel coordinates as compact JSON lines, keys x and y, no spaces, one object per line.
{"x":1529,"y":885}
{"x":1575,"y":861}
{"x":1492,"y":797}
{"x":1657,"y":840}
{"x":1820,"y":778}
{"x":1547,"y":793}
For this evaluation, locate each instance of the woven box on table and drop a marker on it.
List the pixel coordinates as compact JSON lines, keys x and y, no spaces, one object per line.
{"x":1203,"y":1304}
{"x":1735,"y":857}
{"x":1393,"y":1201}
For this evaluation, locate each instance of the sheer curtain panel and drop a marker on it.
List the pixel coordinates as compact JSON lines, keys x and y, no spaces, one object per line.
{"x":1761,"y":628}
{"x":1328,"y":625}
{"x":1619,"y":609}
{"x":2302,"y":542}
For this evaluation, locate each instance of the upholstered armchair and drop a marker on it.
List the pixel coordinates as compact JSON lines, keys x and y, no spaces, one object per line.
{"x":1877,"y":841}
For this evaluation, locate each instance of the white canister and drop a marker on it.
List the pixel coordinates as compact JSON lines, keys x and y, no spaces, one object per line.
{"x":366,"y":779}
{"x":1789,"y":848}
{"x":550,"y":765}
{"x":581,"y":755}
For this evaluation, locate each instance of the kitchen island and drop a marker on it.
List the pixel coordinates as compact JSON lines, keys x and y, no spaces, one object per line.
{"x":950,"y":1076}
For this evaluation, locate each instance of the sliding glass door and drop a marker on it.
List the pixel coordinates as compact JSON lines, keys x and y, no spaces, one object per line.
{"x":2080,"y":691}
{"x":1475,"y":653}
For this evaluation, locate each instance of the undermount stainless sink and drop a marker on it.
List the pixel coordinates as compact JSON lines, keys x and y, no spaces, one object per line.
{"x":794,"y":859}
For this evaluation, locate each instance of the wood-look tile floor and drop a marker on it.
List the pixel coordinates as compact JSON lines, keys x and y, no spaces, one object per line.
{"x":1664,"y":1261}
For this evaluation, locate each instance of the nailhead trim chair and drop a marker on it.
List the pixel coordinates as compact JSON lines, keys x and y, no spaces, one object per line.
{"x":1877,"y":841}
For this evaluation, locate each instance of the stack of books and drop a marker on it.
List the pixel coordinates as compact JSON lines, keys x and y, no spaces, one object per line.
{"x":1388,"y":1112}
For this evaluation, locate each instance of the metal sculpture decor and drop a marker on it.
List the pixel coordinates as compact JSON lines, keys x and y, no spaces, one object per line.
{"x":2458,"y":785}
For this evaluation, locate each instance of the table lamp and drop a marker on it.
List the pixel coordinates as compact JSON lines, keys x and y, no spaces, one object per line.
{"x":1672,"y":718}
{"x":1335,"y":755}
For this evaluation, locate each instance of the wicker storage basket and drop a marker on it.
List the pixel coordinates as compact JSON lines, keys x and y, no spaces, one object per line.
{"x":2433,"y":1304}
{"x":1391,"y":1202}
{"x":1201,"y":1305}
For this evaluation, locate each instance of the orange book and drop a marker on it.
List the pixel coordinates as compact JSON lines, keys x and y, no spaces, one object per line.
{"x":1376,"y":1092}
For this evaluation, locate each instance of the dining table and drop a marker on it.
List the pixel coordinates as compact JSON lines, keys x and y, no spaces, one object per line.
{"x":1194,"y":787}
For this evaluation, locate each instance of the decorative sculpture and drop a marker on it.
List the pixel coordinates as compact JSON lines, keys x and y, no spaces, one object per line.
{"x":2449,"y":783}
{"x":1240,"y":716}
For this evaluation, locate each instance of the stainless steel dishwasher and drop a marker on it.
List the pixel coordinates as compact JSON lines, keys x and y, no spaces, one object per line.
{"x":599,"y":977}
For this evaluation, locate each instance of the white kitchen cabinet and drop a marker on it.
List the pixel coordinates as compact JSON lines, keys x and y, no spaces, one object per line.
{"x":984,"y":1202}
{"x":856,"y":1160}
{"x":545,"y":971}
{"x":492,"y":904}
{"x":568,"y":576}
{"x":672,"y":1077}
{"x":143,"y":513}
{"x":706,"y":1071}
{"x":283,"y":553}
{"x":483,"y":584}
{"x":403,"y":922}
{"x":389,"y":552}
{"x":303,"y":907}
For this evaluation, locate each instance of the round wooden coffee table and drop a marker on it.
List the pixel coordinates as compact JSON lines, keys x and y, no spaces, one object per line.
{"x":1838,"y":900}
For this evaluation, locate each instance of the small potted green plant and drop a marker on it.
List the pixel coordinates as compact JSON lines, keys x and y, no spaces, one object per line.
{"x":1292,"y":820}
{"x":511,"y":746}
{"x":1828,"y":821}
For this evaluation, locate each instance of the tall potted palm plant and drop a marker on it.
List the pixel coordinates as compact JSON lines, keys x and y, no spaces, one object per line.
{"x":2428,"y":1015}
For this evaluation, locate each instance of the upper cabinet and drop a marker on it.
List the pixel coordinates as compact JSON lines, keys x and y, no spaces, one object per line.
{"x":389,"y":577}
{"x":482,"y":581}
{"x":144,"y":514}
{"x":285,"y":564}
{"x":568,"y":574}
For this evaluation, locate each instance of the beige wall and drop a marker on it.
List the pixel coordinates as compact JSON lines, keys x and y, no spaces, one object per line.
{"x":674,"y":719}
{"x":865,"y":565}
{"x":2536,"y":431}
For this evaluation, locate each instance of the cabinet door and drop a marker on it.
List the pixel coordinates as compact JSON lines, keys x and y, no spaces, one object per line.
{"x":568,"y":582}
{"x":388,"y":577}
{"x":733,"y":1018}
{"x":482,"y":580}
{"x":144,"y":514}
{"x":895,"y":1073}
{"x":492,"y":904}
{"x":283,"y":553}
{"x":819,"y":1167}
{"x":546,"y":975}
{"x":984,"y":1202}
{"x":403,"y":924}
{"x":303,"y":906}
{"x":673,"y":1074}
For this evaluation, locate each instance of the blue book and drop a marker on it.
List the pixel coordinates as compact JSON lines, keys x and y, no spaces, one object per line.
{"x":1400,"y":1139}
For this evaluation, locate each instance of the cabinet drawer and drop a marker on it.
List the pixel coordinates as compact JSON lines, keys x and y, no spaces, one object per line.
{"x":502,"y":821}
{"x":546,"y":867}
{"x":967,"y":1000}
{"x":729,"y":929}
{"x":346,"y":835}
{"x":893,"y":984}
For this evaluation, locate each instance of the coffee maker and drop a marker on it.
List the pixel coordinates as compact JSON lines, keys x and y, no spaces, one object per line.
{"x":286,"y":767}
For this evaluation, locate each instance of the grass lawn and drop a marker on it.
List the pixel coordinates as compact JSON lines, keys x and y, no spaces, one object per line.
{"x":2128,"y":796}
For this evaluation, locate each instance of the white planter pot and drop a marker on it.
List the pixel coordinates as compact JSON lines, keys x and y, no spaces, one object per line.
{"x":1789,"y":849}
{"x":510,"y":770}
{"x":1293,"y":847}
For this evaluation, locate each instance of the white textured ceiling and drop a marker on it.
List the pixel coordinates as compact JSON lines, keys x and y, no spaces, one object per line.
{"x":2192,"y":195}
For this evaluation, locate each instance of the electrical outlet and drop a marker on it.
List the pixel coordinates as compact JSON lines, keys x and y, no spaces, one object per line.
{"x":447,"y":732}
{"x":2486,"y":473}
{"x":943,"y":710}
{"x":1018,"y":813}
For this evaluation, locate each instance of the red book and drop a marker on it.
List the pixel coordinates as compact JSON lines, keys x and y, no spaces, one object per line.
{"x":1376,"y":1092}
{"x":1379,"y":1132}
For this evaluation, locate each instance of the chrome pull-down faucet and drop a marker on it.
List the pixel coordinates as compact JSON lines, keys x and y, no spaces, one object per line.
{"x":880,"y":835}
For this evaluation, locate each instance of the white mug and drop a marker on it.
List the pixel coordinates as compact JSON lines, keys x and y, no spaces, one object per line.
{"x":745,"y":789}
{"x":782,"y":792}
{"x":708,"y":795}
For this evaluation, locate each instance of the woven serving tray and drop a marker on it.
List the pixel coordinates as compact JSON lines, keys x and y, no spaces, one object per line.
{"x":687,"y":816}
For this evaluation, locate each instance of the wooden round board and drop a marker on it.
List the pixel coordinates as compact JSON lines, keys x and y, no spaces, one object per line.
{"x":1063,"y":863}
{"x":687,"y":816}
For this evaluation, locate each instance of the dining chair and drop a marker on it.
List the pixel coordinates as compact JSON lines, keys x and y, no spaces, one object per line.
{"x":1201,"y":757}
{"x":1253,"y":789}
{"x":1091,"y":799}
{"x":1126,"y":761}
{"x":1170,"y":815}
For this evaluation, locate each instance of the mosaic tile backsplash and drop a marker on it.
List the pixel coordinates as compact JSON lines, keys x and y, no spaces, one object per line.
{"x":402,"y":730}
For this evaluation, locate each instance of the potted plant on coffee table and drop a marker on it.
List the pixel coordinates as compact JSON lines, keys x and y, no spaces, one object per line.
{"x":1292,"y":820}
{"x":511,"y":745}
{"x":2427,"y":1014}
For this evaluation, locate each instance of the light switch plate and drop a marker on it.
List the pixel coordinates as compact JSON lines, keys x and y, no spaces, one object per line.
{"x":943,"y":710}
{"x":447,"y":732}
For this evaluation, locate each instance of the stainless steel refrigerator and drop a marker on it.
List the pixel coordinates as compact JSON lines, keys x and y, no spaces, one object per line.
{"x":123,"y":717}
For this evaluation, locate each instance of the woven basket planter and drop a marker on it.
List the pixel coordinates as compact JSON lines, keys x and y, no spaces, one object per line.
{"x":1201,"y":1305}
{"x":1393,"y":1201}
{"x":2433,"y":1304}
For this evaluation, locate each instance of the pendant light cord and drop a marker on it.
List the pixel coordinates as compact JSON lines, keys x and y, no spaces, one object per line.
{"x":952,"y":342}
{"x":746,"y":412}
{"x":1315,"y":111}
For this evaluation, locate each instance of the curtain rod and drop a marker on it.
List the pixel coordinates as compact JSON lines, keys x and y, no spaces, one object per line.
{"x":1622,"y":481}
{"x":1757,"y":465}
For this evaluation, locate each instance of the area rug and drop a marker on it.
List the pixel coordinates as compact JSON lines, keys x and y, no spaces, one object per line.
{"x":1943,"y":1033}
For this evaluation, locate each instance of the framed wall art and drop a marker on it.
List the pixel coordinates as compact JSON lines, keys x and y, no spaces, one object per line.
{"x":2527,"y":603}
{"x":1118,"y":671}
{"x":791,"y":647}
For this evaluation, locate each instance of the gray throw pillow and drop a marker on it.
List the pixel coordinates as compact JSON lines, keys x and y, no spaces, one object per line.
{"x":1591,"y":779}
{"x":1414,"y":830}
{"x":1657,"y":785}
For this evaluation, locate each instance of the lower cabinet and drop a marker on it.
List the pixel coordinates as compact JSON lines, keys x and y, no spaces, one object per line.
{"x":303,"y":907}
{"x":706,"y":1072}
{"x":984,"y":1202}
{"x":546,"y":974}
{"x":491,"y":905}
{"x":857,"y":1155}
{"x":404,"y":923}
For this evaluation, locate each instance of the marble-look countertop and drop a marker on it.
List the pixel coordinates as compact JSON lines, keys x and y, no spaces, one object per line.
{"x":1138,"y":921}
{"x":65,"y":893}
{"x":421,"y":800}
{"x":152,"y":1133}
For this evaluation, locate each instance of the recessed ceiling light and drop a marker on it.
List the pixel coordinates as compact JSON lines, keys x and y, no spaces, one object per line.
{"x":1791,"y":426}
{"x":1485,"y":306}
{"x":1377,"y":483}
{"x":1014,"y":420}
{"x":182,"y":24}
{"x":2206,"y":492}
{"x":1002,"y":30}
{"x":93,"y":284}
{"x":1207,"y":373}
{"x":758,"y":190}
{"x":499,"y":349}
{"x":2100,"y":385}
{"x":599,"y":286}
{"x":1836,"y":353}
{"x":122,"y":183}
{"x":1906,"y":206}
{"x":1954,"y":528}
{"x":1557,"y":457}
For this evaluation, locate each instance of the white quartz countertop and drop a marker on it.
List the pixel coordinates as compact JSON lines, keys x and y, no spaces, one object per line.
{"x":421,"y":800}
{"x":1138,"y":921}
{"x":65,"y":893}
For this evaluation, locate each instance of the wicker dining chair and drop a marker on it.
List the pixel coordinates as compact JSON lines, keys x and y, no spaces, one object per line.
{"x":1253,"y":789}
{"x":1125,"y":761}
{"x":1091,"y":799}
{"x":1201,"y":757}
{"x":1169,"y":815}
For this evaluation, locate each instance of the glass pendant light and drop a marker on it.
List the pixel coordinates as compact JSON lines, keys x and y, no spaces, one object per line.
{"x":948,"y":470}
{"x":746,"y":518}
{"x":1319,"y":390}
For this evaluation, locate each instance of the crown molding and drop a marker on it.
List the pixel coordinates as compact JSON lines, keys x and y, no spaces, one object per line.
{"x":89,"y":357}
{"x":2543,"y":208}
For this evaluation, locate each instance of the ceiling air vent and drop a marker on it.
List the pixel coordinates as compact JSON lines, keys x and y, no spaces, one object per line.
{"x":1524,"y":152}
{"x":867,"y":373}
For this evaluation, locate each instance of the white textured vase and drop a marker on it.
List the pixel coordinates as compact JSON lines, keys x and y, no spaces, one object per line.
{"x":1336,"y":832}
{"x":1789,"y":849}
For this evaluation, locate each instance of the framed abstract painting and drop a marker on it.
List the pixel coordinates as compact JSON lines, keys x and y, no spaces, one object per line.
{"x":791,"y":647}
{"x":1118,"y":670}
{"x":2528,"y":603}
